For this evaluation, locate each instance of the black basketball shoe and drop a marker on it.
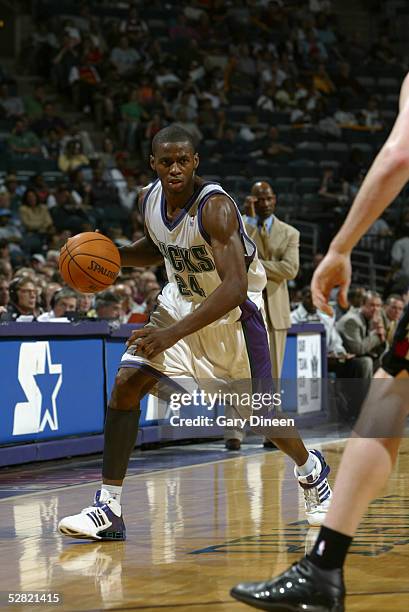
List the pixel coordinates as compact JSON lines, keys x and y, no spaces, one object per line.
{"x":303,"y":587}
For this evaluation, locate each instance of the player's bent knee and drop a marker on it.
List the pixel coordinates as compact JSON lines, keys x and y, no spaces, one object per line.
{"x":129,"y":388}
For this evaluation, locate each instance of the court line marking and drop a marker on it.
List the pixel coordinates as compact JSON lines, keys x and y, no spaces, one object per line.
{"x":153,"y":473}
{"x":223,"y":602}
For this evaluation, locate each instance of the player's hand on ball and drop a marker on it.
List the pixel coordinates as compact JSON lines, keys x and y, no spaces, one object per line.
{"x":150,"y":341}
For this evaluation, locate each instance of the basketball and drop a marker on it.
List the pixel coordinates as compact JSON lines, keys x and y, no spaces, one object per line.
{"x":89,"y":262}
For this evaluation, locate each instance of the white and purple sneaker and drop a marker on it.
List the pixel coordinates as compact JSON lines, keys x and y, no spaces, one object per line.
{"x":317,"y":491}
{"x":101,"y":521}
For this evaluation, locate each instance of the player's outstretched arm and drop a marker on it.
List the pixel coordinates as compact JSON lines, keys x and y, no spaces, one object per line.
{"x":385,"y":179}
{"x":221,"y":223}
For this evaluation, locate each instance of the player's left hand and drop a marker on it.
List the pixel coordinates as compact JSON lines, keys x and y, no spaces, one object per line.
{"x":150,"y":341}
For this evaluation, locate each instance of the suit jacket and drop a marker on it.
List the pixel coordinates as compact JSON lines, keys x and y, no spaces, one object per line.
{"x":279,"y":254}
{"x":356,"y":337}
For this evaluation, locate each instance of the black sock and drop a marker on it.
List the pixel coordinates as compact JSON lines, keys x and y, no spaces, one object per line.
{"x":121,"y":429}
{"x":330,"y":549}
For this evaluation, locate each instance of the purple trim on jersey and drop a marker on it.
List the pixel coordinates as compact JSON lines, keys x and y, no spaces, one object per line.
{"x":242,"y":230}
{"x":172,"y":224}
{"x":255,"y":335}
{"x":148,"y":369}
{"x":146,"y":196}
{"x":202,"y":230}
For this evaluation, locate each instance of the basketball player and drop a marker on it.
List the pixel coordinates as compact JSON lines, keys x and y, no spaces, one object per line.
{"x":207,"y":324}
{"x":316,"y":582}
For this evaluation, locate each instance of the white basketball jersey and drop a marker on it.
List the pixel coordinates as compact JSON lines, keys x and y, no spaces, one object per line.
{"x":186,"y":248}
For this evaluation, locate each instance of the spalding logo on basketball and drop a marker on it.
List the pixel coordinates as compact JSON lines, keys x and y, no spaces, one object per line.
{"x":89,"y":262}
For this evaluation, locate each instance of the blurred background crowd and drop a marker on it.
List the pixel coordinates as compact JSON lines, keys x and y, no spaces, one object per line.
{"x":299,"y":93}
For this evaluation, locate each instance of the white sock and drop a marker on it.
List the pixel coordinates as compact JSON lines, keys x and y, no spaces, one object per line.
{"x":113,"y":491}
{"x":309,"y":465}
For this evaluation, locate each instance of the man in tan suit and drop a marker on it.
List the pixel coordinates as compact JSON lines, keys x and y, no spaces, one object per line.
{"x":278,"y":250}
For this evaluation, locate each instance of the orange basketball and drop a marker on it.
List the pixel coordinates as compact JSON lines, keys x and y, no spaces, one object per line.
{"x":89,"y":262}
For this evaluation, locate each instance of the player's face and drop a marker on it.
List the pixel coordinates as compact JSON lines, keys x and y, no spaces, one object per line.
{"x":175,"y":164}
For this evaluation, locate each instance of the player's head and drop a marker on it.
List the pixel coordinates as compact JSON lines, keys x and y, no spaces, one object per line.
{"x":174,"y":158}
{"x":265,"y":199}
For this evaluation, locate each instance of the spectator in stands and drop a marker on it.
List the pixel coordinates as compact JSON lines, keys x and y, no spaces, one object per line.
{"x":266,"y":100}
{"x":70,"y":214}
{"x":108,"y":306}
{"x":36,"y":221}
{"x":73,"y":157}
{"x":14,"y":190}
{"x":10,"y":232}
{"x":84,"y":303}
{"x":363,"y":332}
{"x":63,"y":301}
{"x":4,"y":250}
{"x":49,"y":121}
{"x":11,"y":107}
{"x":189,"y":126}
{"x":286,"y":98}
{"x":322,"y":81}
{"x":107,"y":155}
{"x":75,"y":132}
{"x":131,"y":114}
{"x":345,"y":83}
{"x":371,"y":115}
{"x":354,"y":166}
{"x":333,"y":189}
{"x":22,"y":141}
{"x":273,"y":149}
{"x":51,"y":288}
{"x":4,"y":292}
{"x":128,"y":193}
{"x":391,"y":314}
{"x":124,"y":58}
{"x":6,"y":269}
{"x":131,"y":311}
{"x":400,"y":248}
{"x":34,"y":103}
{"x":51,"y":145}
{"x":134,"y":27}
{"x":23,"y":298}
{"x":41,"y":188}
{"x":80,"y":188}
{"x":343,"y":117}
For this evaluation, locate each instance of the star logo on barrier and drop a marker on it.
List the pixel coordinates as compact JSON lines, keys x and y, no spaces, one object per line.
{"x":49,"y":383}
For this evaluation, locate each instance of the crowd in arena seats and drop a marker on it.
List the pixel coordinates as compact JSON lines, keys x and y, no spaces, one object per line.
{"x":268,"y":89}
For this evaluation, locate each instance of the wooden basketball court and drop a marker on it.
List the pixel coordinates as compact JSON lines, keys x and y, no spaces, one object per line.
{"x":193,"y":532}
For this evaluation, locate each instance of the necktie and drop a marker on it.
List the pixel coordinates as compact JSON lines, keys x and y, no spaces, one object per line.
{"x":264,"y":235}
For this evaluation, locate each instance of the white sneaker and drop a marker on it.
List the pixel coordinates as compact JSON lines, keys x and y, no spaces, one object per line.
{"x":317,"y":492}
{"x":101,"y":521}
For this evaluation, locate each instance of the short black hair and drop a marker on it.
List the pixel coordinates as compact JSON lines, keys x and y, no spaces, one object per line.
{"x":172,"y":133}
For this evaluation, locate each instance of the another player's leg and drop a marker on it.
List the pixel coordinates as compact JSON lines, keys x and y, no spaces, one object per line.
{"x":103,"y":520}
{"x":316,"y":582}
